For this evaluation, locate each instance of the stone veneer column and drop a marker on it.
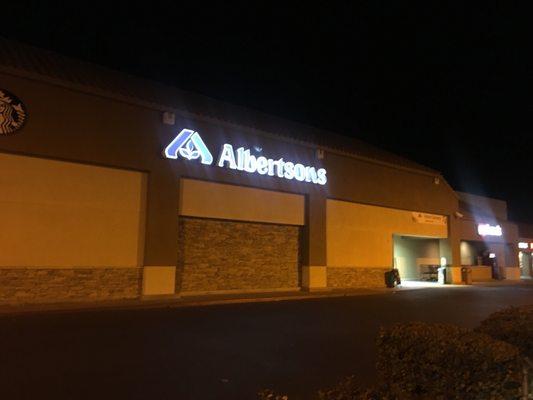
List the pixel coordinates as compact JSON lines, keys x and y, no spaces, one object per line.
{"x":314,"y":272}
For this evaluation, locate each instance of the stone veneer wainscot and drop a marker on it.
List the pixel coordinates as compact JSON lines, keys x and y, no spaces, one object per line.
{"x":54,"y":285}
{"x":232,"y":255}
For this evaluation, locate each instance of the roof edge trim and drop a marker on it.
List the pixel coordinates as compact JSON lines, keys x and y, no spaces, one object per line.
{"x":21,"y":73}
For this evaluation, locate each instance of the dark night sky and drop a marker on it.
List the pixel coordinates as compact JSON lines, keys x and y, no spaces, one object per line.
{"x":448,"y":87}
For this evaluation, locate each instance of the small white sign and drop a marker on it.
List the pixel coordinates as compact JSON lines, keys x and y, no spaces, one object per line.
{"x":431,"y":219}
{"x":489,"y":230}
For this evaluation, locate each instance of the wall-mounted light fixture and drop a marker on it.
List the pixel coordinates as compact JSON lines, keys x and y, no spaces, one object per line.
{"x":169,"y":118}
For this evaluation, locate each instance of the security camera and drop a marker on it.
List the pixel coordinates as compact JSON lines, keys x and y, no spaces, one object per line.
{"x":458,"y":214}
{"x":169,"y":118}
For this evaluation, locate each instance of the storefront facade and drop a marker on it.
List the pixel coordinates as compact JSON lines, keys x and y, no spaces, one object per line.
{"x":489,"y":242}
{"x":119,"y":188}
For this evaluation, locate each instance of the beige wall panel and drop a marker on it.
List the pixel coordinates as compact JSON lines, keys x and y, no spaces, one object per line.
{"x":159,"y":280}
{"x":314,"y":277}
{"x":480,"y":274}
{"x":351,"y":247}
{"x":215,"y":200}
{"x":512,"y":273}
{"x":360,"y":235}
{"x":59,"y":214}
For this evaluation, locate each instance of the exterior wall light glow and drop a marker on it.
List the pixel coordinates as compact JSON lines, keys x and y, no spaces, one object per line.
{"x":190,"y":146}
{"x":489,"y":230}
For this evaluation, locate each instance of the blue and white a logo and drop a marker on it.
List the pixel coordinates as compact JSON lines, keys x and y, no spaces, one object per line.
{"x":188,"y":144}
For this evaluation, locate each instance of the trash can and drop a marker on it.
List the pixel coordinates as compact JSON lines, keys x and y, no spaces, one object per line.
{"x":389,"y":279}
{"x":441,"y":277}
{"x":466,"y":275}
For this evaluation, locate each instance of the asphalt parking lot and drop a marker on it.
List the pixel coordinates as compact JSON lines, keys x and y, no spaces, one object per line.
{"x":221,"y":351}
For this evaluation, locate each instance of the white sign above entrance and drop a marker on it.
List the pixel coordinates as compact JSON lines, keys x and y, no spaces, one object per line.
{"x":489,"y":230}
{"x":190,"y":146}
{"x":431,"y":219}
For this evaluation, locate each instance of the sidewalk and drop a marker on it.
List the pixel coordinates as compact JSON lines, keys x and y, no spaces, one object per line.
{"x":504,"y":282}
{"x":193,"y":301}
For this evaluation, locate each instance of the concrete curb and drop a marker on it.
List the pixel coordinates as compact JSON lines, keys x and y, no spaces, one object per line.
{"x":186,"y":302}
{"x":212,"y":300}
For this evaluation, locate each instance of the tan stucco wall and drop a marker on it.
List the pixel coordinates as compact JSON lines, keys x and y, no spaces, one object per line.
{"x":314,"y":277}
{"x":360,"y":235}
{"x":73,"y":125}
{"x":158,"y":281}
{"x":480,"y":274}
{"x":363,"y":182}
{"x":472,"y":204}
{"x":216,"y":200}
{"x":59,"y":214}
{"x":511,"y":273}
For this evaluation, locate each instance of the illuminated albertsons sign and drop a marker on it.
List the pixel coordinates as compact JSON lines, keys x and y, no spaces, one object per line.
{"x":189,"y":145}
{"x":489,"y":230}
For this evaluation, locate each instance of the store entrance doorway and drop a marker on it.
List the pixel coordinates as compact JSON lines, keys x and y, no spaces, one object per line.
{"x":526,"y":265}
{"x":483,"y":259}
{"x":417,"y":258}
